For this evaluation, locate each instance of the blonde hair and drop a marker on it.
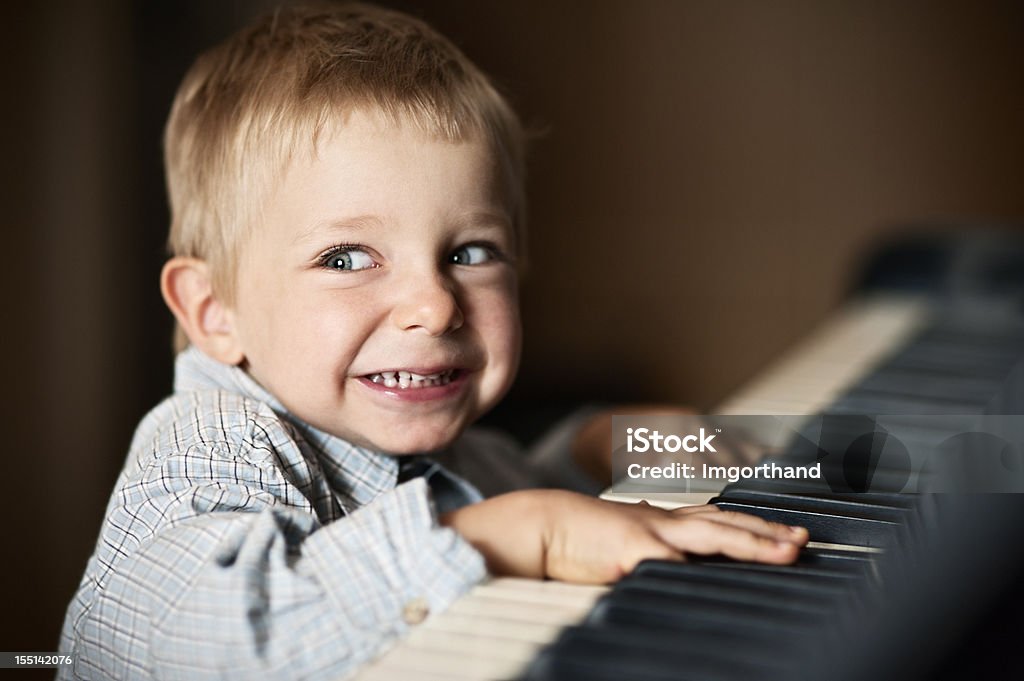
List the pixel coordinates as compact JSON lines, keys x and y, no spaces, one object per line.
{"x":247,"y":105}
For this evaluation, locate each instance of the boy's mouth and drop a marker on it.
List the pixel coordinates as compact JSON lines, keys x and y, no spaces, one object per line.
{"x":408,"y":380}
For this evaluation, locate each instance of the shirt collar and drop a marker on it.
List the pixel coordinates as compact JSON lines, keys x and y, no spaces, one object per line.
{"x":357,"y":474}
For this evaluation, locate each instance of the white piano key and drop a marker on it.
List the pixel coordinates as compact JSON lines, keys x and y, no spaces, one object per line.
{"x":538,"y":591}
{"x":504,"y":608}
{"x":406,"y":662}
{"x":529,"y":631}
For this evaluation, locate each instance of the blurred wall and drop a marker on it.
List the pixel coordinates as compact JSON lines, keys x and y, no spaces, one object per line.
{"x":708,"y":176}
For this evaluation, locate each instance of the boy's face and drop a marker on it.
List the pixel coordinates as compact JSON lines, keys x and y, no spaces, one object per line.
{"x":387,"y":252}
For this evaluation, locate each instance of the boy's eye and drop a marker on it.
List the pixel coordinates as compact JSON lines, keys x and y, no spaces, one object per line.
{"x":348,"y":259}
{"x":471,"y":255}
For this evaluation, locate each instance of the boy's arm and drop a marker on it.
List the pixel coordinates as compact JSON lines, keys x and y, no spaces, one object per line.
{"x":569,"y":536}
{"x":234,"y":584}
{"x":354,"y":586}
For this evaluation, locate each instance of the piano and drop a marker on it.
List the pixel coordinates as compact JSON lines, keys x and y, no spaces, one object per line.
{"x":892,"y":585}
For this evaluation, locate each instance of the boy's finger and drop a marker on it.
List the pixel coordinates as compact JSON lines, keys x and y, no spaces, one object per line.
{"x":700,"y":535}
{"x":779,"y":531}
{"x":751,"y":522}
{"x":690,"y":510}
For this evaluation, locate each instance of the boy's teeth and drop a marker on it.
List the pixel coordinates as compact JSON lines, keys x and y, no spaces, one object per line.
{"x":407,"y":379}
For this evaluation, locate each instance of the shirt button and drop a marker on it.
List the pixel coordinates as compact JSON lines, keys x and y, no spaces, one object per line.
{"x":415,"y":611}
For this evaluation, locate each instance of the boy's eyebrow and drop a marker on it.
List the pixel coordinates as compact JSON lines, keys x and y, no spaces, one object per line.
{"x":356,"y":224}
{"x":485,"y":219}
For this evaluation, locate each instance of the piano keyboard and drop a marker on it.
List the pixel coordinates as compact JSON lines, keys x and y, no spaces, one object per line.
{"x":813,"y":373}
{"x":491,"y":633}
{"x":848,"y":346}
{"x":713,"y":618}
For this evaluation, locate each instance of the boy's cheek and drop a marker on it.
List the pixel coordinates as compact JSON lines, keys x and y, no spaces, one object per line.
{"x":493,"y":310}
{"x":505,"y":357}
{"x":505,"y":339}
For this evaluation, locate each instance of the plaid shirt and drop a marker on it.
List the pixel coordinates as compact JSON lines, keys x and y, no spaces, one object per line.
{"x":242,"y":543}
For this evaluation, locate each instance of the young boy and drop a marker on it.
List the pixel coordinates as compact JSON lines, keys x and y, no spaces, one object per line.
{"x":346,"y":191}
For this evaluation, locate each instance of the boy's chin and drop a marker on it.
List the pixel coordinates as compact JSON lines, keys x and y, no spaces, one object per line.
{"x":399,"y":444}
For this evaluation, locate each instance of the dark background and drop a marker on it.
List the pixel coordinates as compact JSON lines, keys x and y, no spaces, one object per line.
{"x":710,"y":176}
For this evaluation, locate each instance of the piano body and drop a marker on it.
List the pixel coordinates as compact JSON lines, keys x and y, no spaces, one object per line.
{"x":893,"y":585}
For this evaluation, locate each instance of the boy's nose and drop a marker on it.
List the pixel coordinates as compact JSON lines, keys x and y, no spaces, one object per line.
{"x":428,"y":303}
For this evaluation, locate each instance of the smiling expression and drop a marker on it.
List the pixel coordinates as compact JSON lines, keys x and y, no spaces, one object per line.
{"x":378,"y":299}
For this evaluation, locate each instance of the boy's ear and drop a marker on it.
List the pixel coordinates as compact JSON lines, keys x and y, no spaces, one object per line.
{"x":188,"y":290}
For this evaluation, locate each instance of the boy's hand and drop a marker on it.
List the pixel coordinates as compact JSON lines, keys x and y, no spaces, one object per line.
{"x":567,"y":536}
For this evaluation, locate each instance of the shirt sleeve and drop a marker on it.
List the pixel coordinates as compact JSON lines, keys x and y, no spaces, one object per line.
{"x":495,"y":463}
{"x":248,"y":589}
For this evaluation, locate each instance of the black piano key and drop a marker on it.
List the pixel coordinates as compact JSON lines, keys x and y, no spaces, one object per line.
{"x":971,"y":337}
{"x":849,"y":572}
{"x":701,"y":624}
{"x":820,"y":488}
{"x":847,"y":506}
{"x":902,"y":382}
{"x":812,"y":562}
{"x":836,"y":478}
{"x":851,"y":459}
{"x":754,"y":611}
{"x":646,"y":610}
{"x":875,"y":403}
{"x":594,"y":654}
{"x":824,"y":525}
{"x":988,"y":367}
{"x":745,"y":598}
{"x":782,"y":581}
